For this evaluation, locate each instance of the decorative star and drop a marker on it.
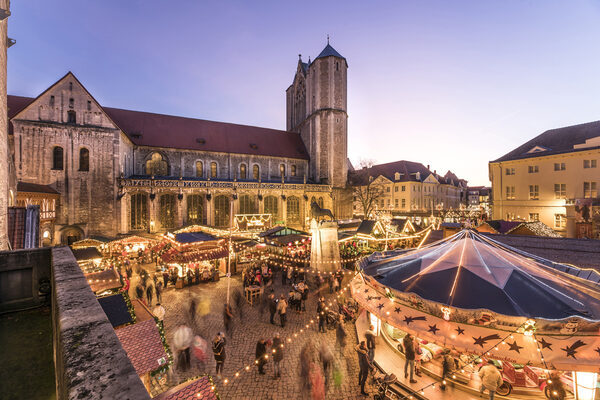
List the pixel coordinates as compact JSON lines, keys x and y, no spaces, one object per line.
{"x":515,"y":347}
{"x":433,"y":329}
{"x":460,"y":330}
{"x":380,"y":306}
{"x":480,"y":341}
{"x":366,"y":290}
{"x":597,"y":350}
{"x":369,"y":298}
{"x":546,"y":345}
{"x":572,"y":349}
{"x":397,"y":310}
{"x":408,"y":320}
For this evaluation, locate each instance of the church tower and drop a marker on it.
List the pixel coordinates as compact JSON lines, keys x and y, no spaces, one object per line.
{"x":317,"y":109}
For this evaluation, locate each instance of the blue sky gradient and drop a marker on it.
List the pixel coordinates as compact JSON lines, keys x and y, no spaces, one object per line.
{"x":453,"y":84}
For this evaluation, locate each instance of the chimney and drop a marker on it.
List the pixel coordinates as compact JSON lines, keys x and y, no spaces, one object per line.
{"x":427,"y":166}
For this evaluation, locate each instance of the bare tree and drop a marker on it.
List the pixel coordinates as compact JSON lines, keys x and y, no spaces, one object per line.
{"x":366,"y":188}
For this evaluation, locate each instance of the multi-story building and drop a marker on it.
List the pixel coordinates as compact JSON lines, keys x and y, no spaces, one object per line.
{"x":408,"y":188}
{"x":551,"y":179}
{"x":479,"y":200}
{"x":120,"y":171}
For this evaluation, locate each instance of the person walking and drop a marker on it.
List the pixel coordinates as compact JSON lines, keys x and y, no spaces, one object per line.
{"x":272,"y":307}
{"x":261,"y":352}
{"x":447,"y":367}
{"x":491,"y":378}
{"x":364,"y":365}
{"x":149,"y":294}
{"x":282,"y":309}
{"x":277,"y":355}
{"x":409,"y":353}
{"x":283,"y":275}
{"x":340,"y":335}
{"x":370,"y":337}
{"x":227,"y":317}
{"x":218,"y":348}
{"x":139,"y":292}
{"x":326,"y":357}
{"x":321,"y":315}
{"x":159,"y":287}
{"x":289,"y":274}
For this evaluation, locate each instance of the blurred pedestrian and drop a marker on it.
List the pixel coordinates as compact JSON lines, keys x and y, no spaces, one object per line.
{"x":364,"y":365}
{"x":317,"y":384}
{"x":370,"y":337}
{"x":340,"y":335}
{"x":239,"y":303}
{"x":139,"y":292}
{"x":272,"y":307}
{"x":227,"y":317}
{"x":159,"y":289}
{"x":261,"y":355}
{"x":321,"y":314}
{"x":326,"y":357}
{"x":277,"y":354}
{"x":409,"y":352}
{"x":282,"y":309}
{"x":283,"y":275}
{"x":305,"y":361}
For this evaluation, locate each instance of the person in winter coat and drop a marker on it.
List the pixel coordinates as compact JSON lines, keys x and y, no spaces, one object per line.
{"x":218,"y":348}
{"x":227,"y":318}
{"x":321,"y":314}
{"x":409,"y":351}
{"x":277,"y":355}
{"x":491,"y":378}
{"x":159,"y":287}
{"x":370,"y":337}
{"x":272,"y":307}
{"x":282,"y":309}
{"x":139,"y":291}
{"x":326,"y":357}
{"x":261,"y":352}
{"x":364,"y":365}
{"x":448,"y":366}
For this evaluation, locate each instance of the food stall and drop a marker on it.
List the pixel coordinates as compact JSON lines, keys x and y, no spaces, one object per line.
{"x":477,"y":300}
{"x":130,"y":246}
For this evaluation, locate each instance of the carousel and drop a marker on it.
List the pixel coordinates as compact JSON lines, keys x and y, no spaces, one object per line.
{"x":476,"y":300}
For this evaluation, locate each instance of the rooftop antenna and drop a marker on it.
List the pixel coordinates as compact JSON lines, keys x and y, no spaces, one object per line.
{"x":328,"y":38}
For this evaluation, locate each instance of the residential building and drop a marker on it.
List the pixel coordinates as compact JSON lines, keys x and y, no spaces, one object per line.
{"x":553,"y":178}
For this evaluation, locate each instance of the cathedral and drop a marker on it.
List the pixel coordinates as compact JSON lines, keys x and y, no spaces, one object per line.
{"x":100,"y":171}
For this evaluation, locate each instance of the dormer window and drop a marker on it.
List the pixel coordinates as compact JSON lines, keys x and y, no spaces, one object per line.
{"x":397,"y":176}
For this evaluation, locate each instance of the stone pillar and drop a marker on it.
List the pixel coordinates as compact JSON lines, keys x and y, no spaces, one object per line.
{"x":124,"y":212}
{"x":210,"y":221}
{"x":283,"y":210}
{"x":324,"y":249}
{"x":4,"y":151}
{"x":180,"y":211}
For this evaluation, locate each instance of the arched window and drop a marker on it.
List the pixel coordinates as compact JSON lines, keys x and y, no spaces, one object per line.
{"x":213,"y":170}
{"x":195,"y":209}
{"x":256,"y":172}
{"x":282,"y":170}
{"x":57,"y":157}
{"x":199,"y":169}
{"x":320,"y":202}
{"x":84,"y":159}
{"x":221,"y":211}
{"x":156,"y":165}
{"x":293,"y":170}
{"x":243,"y":172}
{"x":293,"y":210}
{"x":271,"y":206}
{"x":167,"y":211}
{"x":139,"y":211}
{"x":248,"y":205}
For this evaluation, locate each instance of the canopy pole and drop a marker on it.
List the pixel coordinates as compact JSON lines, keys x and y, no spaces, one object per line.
{"x":229,"y":251}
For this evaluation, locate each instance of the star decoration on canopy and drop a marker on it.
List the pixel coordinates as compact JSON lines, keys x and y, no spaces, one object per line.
{"x":380,"y":306}
{"x":460,"y":330}
{"x":366,"y":290}
{"x":408,"y":320}
{"x":515,"y":347}
{"x":433,"y":329}
{"x":546,"y":345}
{"x":597,"y":350}
{"x":572,"y":349}
{"x":480,"y":341}
{"x":397,"y":310}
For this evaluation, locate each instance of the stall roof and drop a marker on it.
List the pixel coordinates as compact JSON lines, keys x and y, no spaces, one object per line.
{"x":198,"y":388}
{"x":103,"y":280}
{"x":116,"y":310}
{"x":86,"y":253}
{"x":143,"y":345}
{"x":193,"y":237}
{"x":281,"y":231}
{"x":470,"y":271}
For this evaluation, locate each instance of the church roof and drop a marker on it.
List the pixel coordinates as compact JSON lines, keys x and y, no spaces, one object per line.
{"x":556,"y":141}
{"x":160,"y":130}
{"x":329,"y":51}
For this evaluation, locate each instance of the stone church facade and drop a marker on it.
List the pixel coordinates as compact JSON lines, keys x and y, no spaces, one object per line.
{"x":120,"y":171}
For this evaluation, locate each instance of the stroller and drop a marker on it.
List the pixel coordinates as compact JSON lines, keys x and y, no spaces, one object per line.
{"x":347,"y":312}
{"x":332,"y":319}
{"x":383,"y":383}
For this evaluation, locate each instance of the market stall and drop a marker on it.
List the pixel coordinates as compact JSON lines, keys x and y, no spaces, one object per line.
{"x":477,"y":300}
{"x":131,"y":246}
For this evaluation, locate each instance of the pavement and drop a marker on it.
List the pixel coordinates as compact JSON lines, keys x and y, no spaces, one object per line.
{"x":241,"y":344}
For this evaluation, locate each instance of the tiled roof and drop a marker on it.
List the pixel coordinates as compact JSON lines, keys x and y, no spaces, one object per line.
{"x":502,"y":226}
{"x":143,"y":345}
{"x":115,"y":309}
{"x":86,"y":253}
{"x":407,"y":169}
{"x":555,"y":141}
{"x":103,"y":280}
{"x":159,"y":130}
{"x":197,"y":389}
{"x":35,"y":188}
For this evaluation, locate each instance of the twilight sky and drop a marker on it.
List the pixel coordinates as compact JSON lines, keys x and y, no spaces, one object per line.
{"x":453,"y":84}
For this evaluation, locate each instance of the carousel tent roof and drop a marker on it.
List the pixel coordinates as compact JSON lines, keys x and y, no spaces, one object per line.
{"x":470,"y":271}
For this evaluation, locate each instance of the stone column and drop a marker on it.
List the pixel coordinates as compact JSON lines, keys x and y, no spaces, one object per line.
{"x":124,"y":208}
{"x":180,"y":211}
{"x":209,"y":212}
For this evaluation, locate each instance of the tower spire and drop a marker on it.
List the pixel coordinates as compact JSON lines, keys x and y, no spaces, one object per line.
{"x":328,"y":38}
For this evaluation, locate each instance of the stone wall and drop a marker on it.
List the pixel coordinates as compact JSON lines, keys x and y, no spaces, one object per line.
{"x":89,"y":359}
{"x":20,"y":273}
{"x":4,"y":150}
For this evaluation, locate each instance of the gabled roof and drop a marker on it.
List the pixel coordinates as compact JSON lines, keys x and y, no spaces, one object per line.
{"x":35,"y":188}
{"x":200,"y":388}
{"x":87,"y":253}
{"x":143,"y":346}
{"x":555,"y":141}
{"x":116,"y":310}
{"x":159,"y":130}
{"x":502,"y":226}
{"x":408,"y":172}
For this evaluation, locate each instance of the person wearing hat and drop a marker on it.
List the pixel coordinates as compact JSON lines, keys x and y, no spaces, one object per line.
{"x":491,"y":378}
{"x":218,"y":348}
{"x":409,"y":352}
